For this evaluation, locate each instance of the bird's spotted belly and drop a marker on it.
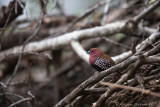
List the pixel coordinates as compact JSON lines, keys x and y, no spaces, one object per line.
{"x":102,"y":64}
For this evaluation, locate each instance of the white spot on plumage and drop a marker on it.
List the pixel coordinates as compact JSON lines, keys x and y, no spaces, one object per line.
{"x":102,"y":63}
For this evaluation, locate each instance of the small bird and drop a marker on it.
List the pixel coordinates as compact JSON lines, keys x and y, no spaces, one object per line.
{"x":99,"y":60}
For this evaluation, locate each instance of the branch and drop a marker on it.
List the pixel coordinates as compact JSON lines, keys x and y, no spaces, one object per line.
{"x":123,"y":79}
{"x":14,"y":94}
{"x":8,"y":14}
{"x":130,"y":88}
{"x":20,"y":101}
{"x":148,"y":41}
{"x":65,"y":39}
{"x":62,"y":40}
{"x":94,"y":91}
{"x":24,"y":44}
{"x":116,"y":43}
{"x":25,"y":54}
{"x":88,"y":12}
{"x":146,"y":11}
{"x":101,"y":75}
{"x":79,"y":50}
{"x":95,"y":79}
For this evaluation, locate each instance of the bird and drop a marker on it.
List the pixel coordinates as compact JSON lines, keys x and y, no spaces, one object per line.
{"x":99,"y":60}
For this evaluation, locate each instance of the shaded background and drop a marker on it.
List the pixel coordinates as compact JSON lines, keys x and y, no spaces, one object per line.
{"x":55,"y":73}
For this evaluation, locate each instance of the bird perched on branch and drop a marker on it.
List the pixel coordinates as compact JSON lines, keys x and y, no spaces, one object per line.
{"x":99,"y":60}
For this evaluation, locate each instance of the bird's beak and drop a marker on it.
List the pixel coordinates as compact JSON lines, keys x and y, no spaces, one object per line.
{"x":88,"y":52}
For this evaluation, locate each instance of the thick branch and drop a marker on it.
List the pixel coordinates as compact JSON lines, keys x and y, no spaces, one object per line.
{"x":62,"y":40}
{"x":79,"y":50}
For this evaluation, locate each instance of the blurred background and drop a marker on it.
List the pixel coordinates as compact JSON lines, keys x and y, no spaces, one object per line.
{"x":70,"y":7}
{"x":52,"y":74}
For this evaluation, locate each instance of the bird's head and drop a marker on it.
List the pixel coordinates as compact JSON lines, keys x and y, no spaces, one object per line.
{"x":94,"y":52}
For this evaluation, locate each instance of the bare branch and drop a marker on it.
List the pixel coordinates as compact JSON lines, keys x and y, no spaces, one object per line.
{"x":95,"y":79}
{"x":14,"y":94}
{"x":9,"y":13}
{"x":20,"y":101}
{"x":15,"y":56}
{"x":65,"y":39}
{"x":123,"y":79}
{"x":131,"y":88}
{"x":79,"y":50}
{"x":24,"y":44}
{"x":101,"y":75}
{"x":116,"y":43}
{"x":146,"y":11}
{"x":88,"y":12}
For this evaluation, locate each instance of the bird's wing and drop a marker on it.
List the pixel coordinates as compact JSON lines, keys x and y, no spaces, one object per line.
{"x":108,"y":58}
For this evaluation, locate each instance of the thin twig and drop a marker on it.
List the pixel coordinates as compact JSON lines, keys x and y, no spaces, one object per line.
{"x":2,"y":32}
{"x":88,"y":12}
{"x":131,"y":88}
{"x":106,"y":8}
{"x":12,"y":56}
{"x":18,"y":83}
{"x":14,"y":94}
{"x":116,"y":43}
{"x":20,"y":101}
{"x":24,"y":44}
{"x":3,"y":29}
